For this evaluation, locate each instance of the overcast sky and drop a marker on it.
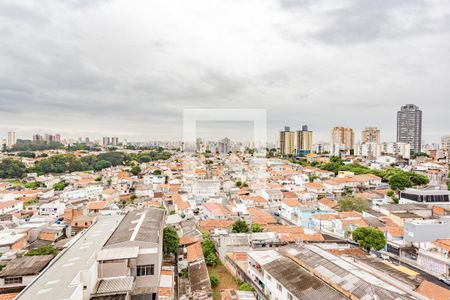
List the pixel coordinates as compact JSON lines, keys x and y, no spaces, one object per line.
{"x":129,"y":68}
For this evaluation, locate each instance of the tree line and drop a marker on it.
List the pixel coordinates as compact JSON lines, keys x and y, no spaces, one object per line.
{"x":397,"y":178}
{"x":63,"y":163}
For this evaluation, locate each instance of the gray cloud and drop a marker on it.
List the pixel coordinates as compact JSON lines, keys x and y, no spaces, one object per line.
{"x":111,"y":67}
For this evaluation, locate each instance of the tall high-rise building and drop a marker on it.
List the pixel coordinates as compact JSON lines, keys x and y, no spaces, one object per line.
{"x":343,"y":136}
{"x":110,"y":141}
{"x":409,"y":126}
{"x":445,"y":142}
{"x":11,"y":141}
{"x":106,"y":141}
{"x":371,"y":135}
{"x":303,"y":139}
{"x":37,"y":137}
{"x":224,"y":146}
{"x":287,"y":141}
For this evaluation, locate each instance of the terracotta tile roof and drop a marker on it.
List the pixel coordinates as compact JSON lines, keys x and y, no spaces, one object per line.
{"x":257,"y":199}
{"x":9,"y":296}
{"x":443,"y":243}
{"x":194,"y":252}
{"x":179,"y":202}
{"x":217,"y":209}
{"x":291,"y":202}
{"x":328,"y":202}
{"x":395,"y":231}
{"x":96,"y":204}
{"x":314,"y":185}
{"x":349,"y":214}
{"x":433,"y":291}
{"x":354,"y":222}
{"x":289,"y":195}
{"x":312,"y":237}
{"x":215,"y":224}
{"x":283,"y":228}
{"x":325,"y":217}
{"x":187,"y":240}
{"x":9,"y":203}
{"x":260,"y":217}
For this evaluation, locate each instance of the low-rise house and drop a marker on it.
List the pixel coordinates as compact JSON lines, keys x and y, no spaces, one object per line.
{"x":260,"y":217}
{"x":21,"y":271}
{"x":215,"y":211}
{"x":272,"y":196}
{"x":111,"y":195}
{"x":143,"y":190}
{"x":12,"y":240}
{"x":52,"y":233}
{"x":54,"y":209}
{"x":10,"y":206}
{"x":90,"y":192}
{"x":81,"y":222}
{"x":436,"y":258}
{"x":212,"y":224}
{"x":94,"y":207}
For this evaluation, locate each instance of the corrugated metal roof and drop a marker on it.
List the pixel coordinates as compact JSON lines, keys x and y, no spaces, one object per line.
{"x":115,"y":285}
{"x":26,"y":265}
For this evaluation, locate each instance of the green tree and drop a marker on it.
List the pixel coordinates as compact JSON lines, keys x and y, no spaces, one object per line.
{"x":240,"y":227}
{"x":369,"y":238}
{"x":59,"y":186}
{"x":101,"y":164}
{"x":170,"y":241}
{"x":238,"y":183}
{"x":211,"y":259}
{"x":44,"y":250}
{"x":245,"y":287}
{"x":256,"y":228}
{"x":26,"y":154}
{"x":157,"y":172}
{"x":135,"y":170}
{"x":214,"y":281}
{"x":400,"y":181}
{"x":10,"y":168}
{"x":208,"y":246}
{"x":34,"y":185}
{"x":352,"y":203}
{"x":418,"y":179}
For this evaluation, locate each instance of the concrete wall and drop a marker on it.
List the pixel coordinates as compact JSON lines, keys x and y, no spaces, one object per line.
{"x":426,"y":232}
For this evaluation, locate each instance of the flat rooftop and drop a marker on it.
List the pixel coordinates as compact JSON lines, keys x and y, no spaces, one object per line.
{"x":139,"y":225}
{"x":58,"y":281}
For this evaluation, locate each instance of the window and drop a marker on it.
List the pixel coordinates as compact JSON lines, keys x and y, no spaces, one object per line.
{"x":290,"y":297}
{"x":269,"y":277}
{"x":279,"y":287}
{"x":145,"y":270}
{"x":13,"y":280}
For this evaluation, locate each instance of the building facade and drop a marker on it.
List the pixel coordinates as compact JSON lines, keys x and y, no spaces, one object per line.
{"x":409,"y":126}
{"x":343,"y":136}
{"x":371,"y":135}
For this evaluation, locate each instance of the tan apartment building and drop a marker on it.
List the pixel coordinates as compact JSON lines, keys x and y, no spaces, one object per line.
{"x":371,"y":135}
{"x":344,"y":136}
